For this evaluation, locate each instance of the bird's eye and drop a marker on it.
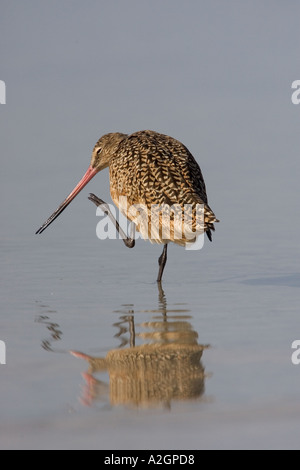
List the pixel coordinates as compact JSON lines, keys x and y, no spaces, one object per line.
{"x":99,"y":151}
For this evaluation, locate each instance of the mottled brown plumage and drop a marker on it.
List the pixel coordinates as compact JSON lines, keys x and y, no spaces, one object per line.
{"x":155,"y":172}
{"x":151,"y":168}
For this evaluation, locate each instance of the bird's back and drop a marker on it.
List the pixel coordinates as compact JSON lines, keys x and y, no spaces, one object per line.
{"x":154,"y":169}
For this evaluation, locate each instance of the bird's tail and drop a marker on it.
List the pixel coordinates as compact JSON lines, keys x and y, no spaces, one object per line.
{"x":209,"y":219}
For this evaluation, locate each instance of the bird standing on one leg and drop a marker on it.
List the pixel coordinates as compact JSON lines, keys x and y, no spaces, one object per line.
{"x":155,"y":172}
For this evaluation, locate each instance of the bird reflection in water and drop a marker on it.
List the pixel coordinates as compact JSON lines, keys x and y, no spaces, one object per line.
{"x":55,"y":333}
{"x":166,"y":366}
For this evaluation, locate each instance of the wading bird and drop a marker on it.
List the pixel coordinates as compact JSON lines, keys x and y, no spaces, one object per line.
{"x":149,"y":170}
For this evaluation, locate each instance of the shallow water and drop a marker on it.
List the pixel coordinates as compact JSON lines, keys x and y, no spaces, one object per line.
{"x":98,"y":356}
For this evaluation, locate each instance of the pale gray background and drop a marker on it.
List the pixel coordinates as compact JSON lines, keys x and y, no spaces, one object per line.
{"x":217,"y":76}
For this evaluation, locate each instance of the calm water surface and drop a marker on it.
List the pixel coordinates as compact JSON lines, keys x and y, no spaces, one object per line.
{"x":99,"y":357}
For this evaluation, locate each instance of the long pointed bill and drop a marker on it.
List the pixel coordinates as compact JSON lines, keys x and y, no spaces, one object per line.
{"x":86,"y":178}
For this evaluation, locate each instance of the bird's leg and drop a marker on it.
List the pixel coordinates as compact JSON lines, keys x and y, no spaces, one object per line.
{"x":132,"y":234}
{"x":129,"y":241}
{"x":162,"y":262}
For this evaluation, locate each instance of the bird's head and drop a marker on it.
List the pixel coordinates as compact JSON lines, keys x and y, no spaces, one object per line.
{"x":105,"y":149}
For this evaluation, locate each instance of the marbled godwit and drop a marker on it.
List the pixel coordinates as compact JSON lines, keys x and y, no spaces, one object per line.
{"x":148,"y":168}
